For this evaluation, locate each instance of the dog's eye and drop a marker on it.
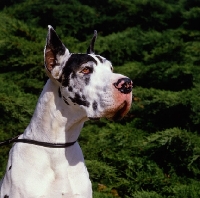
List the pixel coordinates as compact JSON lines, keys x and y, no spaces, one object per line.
{"x":86,"y":70}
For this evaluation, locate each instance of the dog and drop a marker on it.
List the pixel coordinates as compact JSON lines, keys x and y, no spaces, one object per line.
{"x":81,"y":86}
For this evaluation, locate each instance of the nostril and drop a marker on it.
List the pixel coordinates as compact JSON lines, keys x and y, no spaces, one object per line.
{"x":124,"y":85}
{"x":128,"y":83}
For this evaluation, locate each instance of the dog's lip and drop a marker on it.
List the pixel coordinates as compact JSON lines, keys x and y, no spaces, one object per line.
{"x":94,"y":118}
{"x":121,"y":109}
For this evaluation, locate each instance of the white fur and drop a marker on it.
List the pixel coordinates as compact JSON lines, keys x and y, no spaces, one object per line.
{"x":48,"y":172}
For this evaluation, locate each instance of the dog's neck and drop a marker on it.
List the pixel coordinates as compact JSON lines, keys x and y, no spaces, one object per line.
{"x":53,"y":120}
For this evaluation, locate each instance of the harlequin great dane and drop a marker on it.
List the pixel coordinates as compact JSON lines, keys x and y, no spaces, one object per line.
{"x":81,"y":87}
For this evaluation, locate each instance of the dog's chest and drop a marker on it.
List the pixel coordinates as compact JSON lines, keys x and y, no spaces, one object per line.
{"x":47,"y":172}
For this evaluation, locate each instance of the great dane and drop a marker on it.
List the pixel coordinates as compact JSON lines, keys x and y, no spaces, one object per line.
{"x":80,"y":87}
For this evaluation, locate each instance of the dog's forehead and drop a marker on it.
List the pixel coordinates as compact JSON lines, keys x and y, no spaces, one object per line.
{"x":100,"y":59}
{"x":76,"y":60}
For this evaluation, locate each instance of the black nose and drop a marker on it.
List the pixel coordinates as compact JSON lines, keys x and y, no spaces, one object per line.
{"x":124,"y":85}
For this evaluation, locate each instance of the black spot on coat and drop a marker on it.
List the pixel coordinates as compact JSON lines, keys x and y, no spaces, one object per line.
{"x":94,"y":105}
{"x":70,"y":89}
{"x":65,"y":100}
{"x":100,"y":58}
{"x":87,"y":80}
{"x":80,"y":100}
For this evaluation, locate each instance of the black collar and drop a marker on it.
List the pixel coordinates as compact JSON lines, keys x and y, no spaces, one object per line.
{"x":45,"y":144}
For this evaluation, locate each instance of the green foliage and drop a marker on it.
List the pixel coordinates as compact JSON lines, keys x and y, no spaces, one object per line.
{"x":146,"y":194}
{"x":157,"y":110}
{"x":154,"y":151}
{"x":71,"y":17}
{"x":102,"y":195}
{"x":100,"y":171}
{"x":142,"y":161}
{"x":175,"y":142}
{"x":192,"y":17}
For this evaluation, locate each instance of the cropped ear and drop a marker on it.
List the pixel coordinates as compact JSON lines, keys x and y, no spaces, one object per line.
{"x":90,"y":49}
{"x":55,"y":53}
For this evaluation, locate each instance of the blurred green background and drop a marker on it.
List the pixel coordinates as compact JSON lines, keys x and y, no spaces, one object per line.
{"x":154,"y":152}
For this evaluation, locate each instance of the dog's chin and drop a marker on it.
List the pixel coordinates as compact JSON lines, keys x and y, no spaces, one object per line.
{"x":120,"y":112}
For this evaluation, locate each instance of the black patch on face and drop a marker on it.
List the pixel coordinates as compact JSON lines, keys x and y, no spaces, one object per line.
{"x":10,"y":167}
{"x":73,"y":75}
{"x":100,"y":58}
{"x":72,"y":66}
{"x":83,"y":96}
{"x":80,"y":100}
{"x":94,"y":105}
{"x":6,"y":196}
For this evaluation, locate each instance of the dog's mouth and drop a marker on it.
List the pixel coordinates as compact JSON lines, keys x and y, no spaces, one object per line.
{"x":122,"y":109}
{"x":114,"y":115}
{"x":119,"y":113}
{"x":94,"y":118}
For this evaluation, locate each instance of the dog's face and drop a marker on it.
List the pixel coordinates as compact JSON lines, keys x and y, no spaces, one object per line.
{"x":87,"y":80}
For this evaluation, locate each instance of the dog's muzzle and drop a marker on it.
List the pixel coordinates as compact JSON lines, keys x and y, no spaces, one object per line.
{"x":124,"y":85}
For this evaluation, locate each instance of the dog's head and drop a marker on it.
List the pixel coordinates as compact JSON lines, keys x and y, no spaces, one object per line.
{"x":87,"y":80}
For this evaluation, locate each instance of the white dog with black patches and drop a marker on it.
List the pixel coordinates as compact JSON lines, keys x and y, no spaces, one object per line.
{"x":81,"y":87}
